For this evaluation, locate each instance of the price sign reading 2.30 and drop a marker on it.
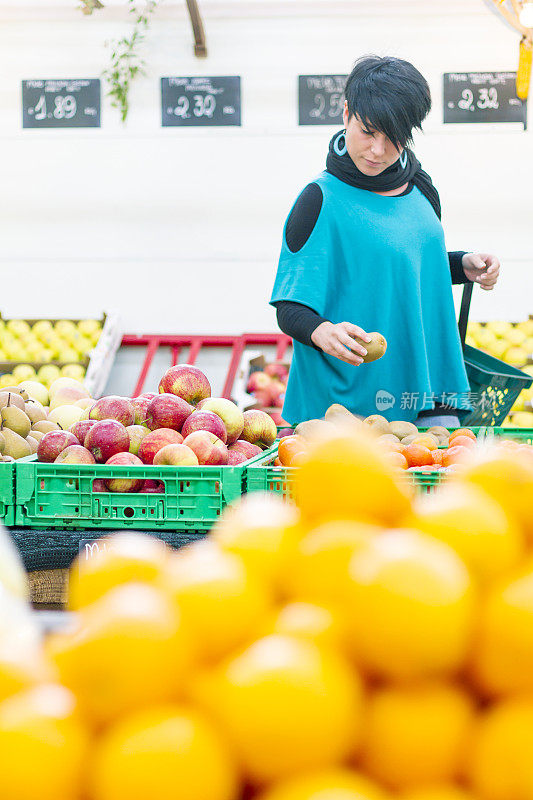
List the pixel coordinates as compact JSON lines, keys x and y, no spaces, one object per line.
{"x":64,"y":103}
{"x":481,"y":97}
{"x":201,"y":101}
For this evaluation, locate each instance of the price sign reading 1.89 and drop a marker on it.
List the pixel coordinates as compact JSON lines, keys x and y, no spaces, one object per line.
{"x":482,"y":97}
{"x":201,"y":101}
{"x":61,"y":103}
{"x":320,"y":99}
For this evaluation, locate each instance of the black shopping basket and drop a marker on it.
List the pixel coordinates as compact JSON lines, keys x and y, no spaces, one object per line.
{"x":494,"y":385}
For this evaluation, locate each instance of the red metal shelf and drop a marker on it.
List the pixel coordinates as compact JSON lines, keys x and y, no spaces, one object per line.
{"x":195,"y":343}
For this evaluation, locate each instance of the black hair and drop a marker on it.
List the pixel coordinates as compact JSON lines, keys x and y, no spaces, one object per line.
{"x":389,"y":95}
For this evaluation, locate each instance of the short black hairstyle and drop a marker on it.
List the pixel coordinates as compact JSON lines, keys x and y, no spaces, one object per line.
{"x":390,"y":95}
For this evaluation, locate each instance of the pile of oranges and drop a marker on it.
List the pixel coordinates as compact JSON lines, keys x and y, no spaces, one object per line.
{"x":425,"y":452}
{"x":363,"y":644}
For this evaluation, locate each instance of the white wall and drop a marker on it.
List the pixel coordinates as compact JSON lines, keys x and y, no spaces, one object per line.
{"x":180,"y":229}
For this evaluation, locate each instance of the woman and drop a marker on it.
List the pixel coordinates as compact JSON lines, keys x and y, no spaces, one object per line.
{"x":363,"y":250}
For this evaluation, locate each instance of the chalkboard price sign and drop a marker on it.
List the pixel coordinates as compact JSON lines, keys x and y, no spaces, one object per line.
{"x":201,"y":101}
{"x":482,"y":97}
{"x":320,"y":99}
{"x":64,"y":103}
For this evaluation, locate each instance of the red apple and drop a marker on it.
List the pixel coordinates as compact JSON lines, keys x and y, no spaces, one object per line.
{"x":258,"y":380}
{"x":155,"y":440}
{"x":113,"y":407}
{"x":124,"y":484}
{"x":167,"y":411}
{"x":140,"y":405}
{"x":80,"y":429}
{"x":106,"y":439}
{"x":277,"y":370}
{"x":99,"y":485}
{"x":136,"y":434}
{"x":205,"y":421}
{"x":187,"y":382}
{"x":278,"y":419}
{"x":153,"y":487}
{"x":263,"y":397}
{"x":178,"y":455}
{"x":229,"y":413}
{"x":208,"y":448}
{"x":285,"y":431}
{"x":75,"y":454}
{"x":53,"y":443}
{"x":259,"y":428}
{"x":235,"y":457}
{"x":246,"y":448}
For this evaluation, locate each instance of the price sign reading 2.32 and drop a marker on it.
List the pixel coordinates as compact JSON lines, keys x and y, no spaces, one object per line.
{"x":201,"y":101}
{"x":481,"y":97}
{"x":64,"y":103}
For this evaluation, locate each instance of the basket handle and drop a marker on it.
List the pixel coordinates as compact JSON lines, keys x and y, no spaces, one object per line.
{"x":465,"y":309}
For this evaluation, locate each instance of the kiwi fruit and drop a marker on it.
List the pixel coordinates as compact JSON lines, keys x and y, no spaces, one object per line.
{"x":375,"y":349}
{"x":16,"y":446}
{"x":378,"y":424}
{"x":388,"y":437}
{"x":16,"y":420}
{"x":312,"y":428}
{"x":11,"y":399}
{"x":439,"y":430}
{"x":403,"y":429}
{"x":410,"y":438}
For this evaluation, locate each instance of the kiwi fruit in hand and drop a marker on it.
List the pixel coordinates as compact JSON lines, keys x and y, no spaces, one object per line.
{"x":375,"y":348}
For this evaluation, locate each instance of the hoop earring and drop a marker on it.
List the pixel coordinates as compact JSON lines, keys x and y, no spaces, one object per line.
{"x":403,"y":160}
{"x":340,"y":149}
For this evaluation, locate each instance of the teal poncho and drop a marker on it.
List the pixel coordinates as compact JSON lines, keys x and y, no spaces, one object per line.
{"x":379,"y":262}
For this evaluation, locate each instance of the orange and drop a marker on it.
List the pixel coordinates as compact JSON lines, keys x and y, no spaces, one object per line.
{"x":118,"y":559}
{"x":455,"y":455}
{"x":348,"y":477}
{"x":501,"y":755}
{"x":503,"y":657}
{"x":126,"y":651}
{"x":285,"y":706}
{"x":43,"y":745}
{"x":426,"y":441}
{"x":318,"y":571}
{"x":462,"y":441}
{"x":474,"y":525}
{"x":289,"y":448}
{"x":21,"y":667}
{"x":441,"y":792}
{"x":417,"y":455}
{"x":416,"y":735}
{"x":308,"y":621}
{"x":463,"y":432}
{"x":436,"y":456}
{"x":263,"y":530}
{"x":397,"y":459}
{"x":219,"y":599}
{"x":334,"y":784}
{"x":410,"y":606}
{"x":508,"y":478}
{"x":162,"y":753}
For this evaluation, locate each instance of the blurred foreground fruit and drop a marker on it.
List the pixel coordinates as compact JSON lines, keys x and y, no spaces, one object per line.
{"x":334,"y":784}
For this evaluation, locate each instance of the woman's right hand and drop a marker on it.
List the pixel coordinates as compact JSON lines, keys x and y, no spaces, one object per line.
{"x":337,"y":340}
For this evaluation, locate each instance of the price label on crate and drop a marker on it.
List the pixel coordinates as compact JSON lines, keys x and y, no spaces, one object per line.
{"x":65,"y":103}
{"x":482,"y":97}
{"x":201,"y":101}
{"x":320,"y":99}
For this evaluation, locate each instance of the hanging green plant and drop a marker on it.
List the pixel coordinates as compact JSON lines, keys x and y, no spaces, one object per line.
{"x":88,"y":6}
{"x":126,"y":63}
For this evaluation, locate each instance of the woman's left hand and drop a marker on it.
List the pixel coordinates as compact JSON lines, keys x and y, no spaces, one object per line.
{"x":482,"y":268}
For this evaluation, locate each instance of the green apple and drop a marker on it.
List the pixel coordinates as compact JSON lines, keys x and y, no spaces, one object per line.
{"x":36,"y":390}
{"x":65,"y":416}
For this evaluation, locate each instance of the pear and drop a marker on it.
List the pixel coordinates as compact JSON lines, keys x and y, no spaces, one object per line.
{"x":2,"y":443}
{"x":5,"y":459}
{"x":35,"y":435}
{"x":11,"y":399}
{"x":16,"y":446}
{"x":45,"y":426}
{"x":16,"y":420}
{"x":35,"y":411}
{"x":17,"y":390}
{"x":403,"y":429}
{"x":375,"y":348}
{"x":33,"y":443}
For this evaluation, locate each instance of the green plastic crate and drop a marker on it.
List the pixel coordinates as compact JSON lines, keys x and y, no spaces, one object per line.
{"x":498,"y":383}
{"x":7,"y":493}
{"x":262,"y":476}
{"x":60,"y":495}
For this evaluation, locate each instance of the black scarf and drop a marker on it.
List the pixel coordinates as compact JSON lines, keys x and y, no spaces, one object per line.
{"x":406,"y":168}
